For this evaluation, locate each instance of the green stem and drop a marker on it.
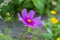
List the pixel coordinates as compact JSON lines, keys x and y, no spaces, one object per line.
{"x":29,"y":29}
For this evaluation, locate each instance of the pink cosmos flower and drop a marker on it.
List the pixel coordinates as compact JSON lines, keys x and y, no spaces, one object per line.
{"x":28,"y":19}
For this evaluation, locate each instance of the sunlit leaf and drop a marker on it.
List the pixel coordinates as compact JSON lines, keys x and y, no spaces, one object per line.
{"x":39,"y":5}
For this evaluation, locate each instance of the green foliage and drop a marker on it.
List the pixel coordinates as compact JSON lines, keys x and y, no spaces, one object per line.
{"x":52,"y":31}
{"x":40,"y":6}
{"x":6,"y":36}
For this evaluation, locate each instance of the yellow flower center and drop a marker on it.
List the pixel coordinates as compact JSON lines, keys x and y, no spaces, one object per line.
{"x":58,"y":38}
{"x":29,"y":20}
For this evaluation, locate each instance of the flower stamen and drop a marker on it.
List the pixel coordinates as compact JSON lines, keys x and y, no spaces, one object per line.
{"x":29,"y":20}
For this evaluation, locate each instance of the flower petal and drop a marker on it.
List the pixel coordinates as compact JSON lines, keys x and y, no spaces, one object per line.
{"x":24,"y":13}
{"x":38,"y":24}
{"x":31,"y":14}
{"x":37,"y":18}
{"x":19,"y":17}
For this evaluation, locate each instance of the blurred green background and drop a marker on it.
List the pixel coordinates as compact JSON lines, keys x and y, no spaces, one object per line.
{"x":10,"y":8}
{"x":41,"y":7}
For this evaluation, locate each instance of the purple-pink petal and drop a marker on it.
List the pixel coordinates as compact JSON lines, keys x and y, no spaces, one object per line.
{"x":31,"y":14}
{"x":37,"y":18}
{"x":24,"y":13}
{"x":23,"y":21}
{"x":38,"y":24}
{"x":19,"y":17}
